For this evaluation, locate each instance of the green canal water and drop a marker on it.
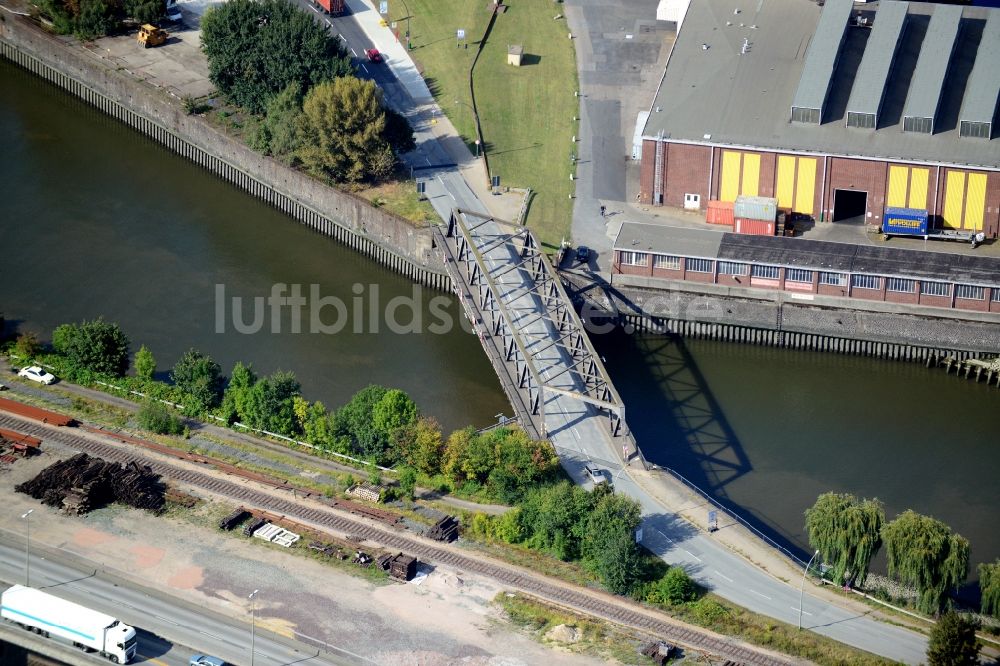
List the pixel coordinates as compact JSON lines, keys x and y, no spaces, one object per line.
{"x":96,"y":220}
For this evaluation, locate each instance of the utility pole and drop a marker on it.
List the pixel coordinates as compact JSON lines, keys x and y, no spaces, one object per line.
{"x":27,"y":546}
{"x":252,"y":632}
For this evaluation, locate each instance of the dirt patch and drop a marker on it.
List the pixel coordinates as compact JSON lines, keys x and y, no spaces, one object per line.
{"x":146,"y":556}
{"x":87,"y":538}
{"x":188,"y":578}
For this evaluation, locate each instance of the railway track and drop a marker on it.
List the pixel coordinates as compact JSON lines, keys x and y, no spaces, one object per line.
{"x":591,"y":603}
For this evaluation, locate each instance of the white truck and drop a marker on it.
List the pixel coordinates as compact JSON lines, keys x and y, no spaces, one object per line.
{"x":87,"y":629}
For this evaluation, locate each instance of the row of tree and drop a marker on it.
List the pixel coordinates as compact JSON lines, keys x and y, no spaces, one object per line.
{"x":922,"y":552}
{"x":275,"y":61}
{"x":90,"y":19}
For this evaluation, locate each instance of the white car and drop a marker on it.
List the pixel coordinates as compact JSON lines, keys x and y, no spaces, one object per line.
{"x":597,"y":475}
{"x":36,"y":374}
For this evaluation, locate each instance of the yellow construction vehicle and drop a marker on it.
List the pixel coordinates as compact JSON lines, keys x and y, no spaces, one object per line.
{"x":150,"y":35}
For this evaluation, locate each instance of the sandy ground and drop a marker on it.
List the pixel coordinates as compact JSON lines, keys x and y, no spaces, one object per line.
{"x":445,"y":620}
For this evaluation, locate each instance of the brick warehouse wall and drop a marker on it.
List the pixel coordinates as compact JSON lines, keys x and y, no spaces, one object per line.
{"x":858,"y":175}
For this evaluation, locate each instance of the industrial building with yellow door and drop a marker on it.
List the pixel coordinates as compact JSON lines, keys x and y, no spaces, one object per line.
{"x":837,"y":112}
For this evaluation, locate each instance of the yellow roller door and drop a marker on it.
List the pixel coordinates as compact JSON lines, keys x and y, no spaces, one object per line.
{"x":975,"y":201}
{"x":751,"y":174}
{"x":918,"y":188}
{"x":806,"y":186}
{"x":897,"y":187}
{"x":786,"y":181}
{"x":730,"y":187}
{"x":953,"y":197}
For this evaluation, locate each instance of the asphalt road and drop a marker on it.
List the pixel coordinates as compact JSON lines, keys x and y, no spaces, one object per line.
{"x":169,"y":630}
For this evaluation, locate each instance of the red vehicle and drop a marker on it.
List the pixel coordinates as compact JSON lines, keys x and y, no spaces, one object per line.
{"x":373,"y":55}
{"x":332,"y":7}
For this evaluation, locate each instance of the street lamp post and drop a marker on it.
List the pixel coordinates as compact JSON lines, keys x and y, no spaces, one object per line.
{"x":475,"y":115}
{"x":252,"y":631}
{"x":27,"y":545}
{"x":407,"y":24}
{"x":802,"y":587}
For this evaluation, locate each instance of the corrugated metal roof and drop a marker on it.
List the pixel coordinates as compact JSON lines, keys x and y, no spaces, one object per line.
{"x":876,"y":63}
{"x":821,"y":58}
{"x":932,"y":65}
{"x":981,"y":94}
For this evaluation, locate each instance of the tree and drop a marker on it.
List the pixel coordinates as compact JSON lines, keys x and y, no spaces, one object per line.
{"x":96,"y":19}
{"x":989,"y":587}
{"x":200,"y":377}
{"x":341,"y":135}
{"x":356,"y":421}
{"x":145,"y":363}
{"x":96,"y":345}
{"x":278,"y":133}
{"x":420,"y":444}
{"x":608,"y":545}
{"x":924,"y":553}
{"x":269,"y":404}
{"x":519,"y":463}
{"x":394,"y":410}
{"x":847,"y":532}
{"x":554,"y":518}
{"x":27,"y":346}
{"x":256,"y":48}
{"x":155,"y":417}
{"x":234,"y":399}
{"x":953,"y":642}
{"x":398,"y":132}
{"x":145,"y":11}
{"x":407,"y":481}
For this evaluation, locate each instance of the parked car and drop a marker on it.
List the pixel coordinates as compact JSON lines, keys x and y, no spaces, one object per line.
{"x":596,"y":474}
{"x":173,"y":12}
{"x":36,"y":374}
{"x":205,"y":660}
{"x":373,"y":55}
{"x":583,"y":254}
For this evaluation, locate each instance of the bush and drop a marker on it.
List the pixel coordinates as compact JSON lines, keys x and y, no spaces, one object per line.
{"x":156,"y":417}
{"x":200,"y":378}
{"x":709,"y":612}
{"x":97,"y":345}
{"x":27,"y":346}
{"x":145,"y":363}
{"x":953,"y":642}
{"x":674,"y":588}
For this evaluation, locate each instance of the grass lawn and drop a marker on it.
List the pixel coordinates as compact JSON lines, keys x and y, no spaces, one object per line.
{"x":526,"y":112}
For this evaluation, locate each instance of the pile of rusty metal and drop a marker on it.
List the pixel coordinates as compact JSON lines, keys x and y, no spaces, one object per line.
{"x":14,"y":445}
{"x":659,"y":651}
{"x":328,"y":549}
{"x":445,"y":530}
{"x":399,"y":566}
{"x":83,"y":483}
{"x":234,"y":519}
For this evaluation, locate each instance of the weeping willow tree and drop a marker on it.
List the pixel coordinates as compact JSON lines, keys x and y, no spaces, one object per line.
{"x":847,"y":532}
{"x":924,"y":553}
{"x":989,"y":586}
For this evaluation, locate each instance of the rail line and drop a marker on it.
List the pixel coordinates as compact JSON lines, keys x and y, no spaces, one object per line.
{"x":590,"y":603}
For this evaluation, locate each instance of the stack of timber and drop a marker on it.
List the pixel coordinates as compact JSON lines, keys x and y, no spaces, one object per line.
{"x":445,"y":530}
{"x":234,"y":519}
{"x":82,"y":483}
{"x":659,"y":652}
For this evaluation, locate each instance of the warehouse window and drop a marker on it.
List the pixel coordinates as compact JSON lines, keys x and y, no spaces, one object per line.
{"x":864,"y":120}
{"x":798,"y":275}
{"x":996,"y":295}
{"x":804,"y":115}
{"x":634,"y":258}
{"x":769,"y":272}
{"x":970,"y":292}
{"x":935,"y":288}
{"x":732,"y":268}
{"x":915,"y":124}
{"x":833,"y":279}
{"x":699,"y":265}
{"x":901,"y":285}
{"x":974,"y":129}
{"x":866,"y":281}
{"x":667,"y":262}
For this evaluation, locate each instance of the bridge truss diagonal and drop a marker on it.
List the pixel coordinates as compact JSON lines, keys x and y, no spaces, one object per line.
{"x":514,"y":296}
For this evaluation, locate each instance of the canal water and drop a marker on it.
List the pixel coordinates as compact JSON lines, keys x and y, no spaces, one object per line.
{"x":765,"y":431}
{"x":96,"y":220}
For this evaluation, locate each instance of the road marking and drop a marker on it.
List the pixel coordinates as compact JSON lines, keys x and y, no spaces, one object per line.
{"x":762,"y":595}
{"x":691,"y":554}
{"x":576,"y":434}
{"x":314,"y":9}
{"x":365,"y":68}
{"x":801,"y":611}
{"x":667,"y":538}
{"x":354,"y":52}
{"x":151,"y":659}
{"x":719,"y":573}
{"x":166,"y":619}
{"x":330,"y":23}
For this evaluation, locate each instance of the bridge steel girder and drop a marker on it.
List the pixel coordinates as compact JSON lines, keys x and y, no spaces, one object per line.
{"x":556,"y":311}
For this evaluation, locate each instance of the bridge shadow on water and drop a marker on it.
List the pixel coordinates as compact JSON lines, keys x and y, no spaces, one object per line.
{"x":678,"y":422}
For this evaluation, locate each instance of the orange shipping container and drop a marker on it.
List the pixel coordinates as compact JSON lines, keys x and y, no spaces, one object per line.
{"x":755,"y":227}
{"x":720,"y":212}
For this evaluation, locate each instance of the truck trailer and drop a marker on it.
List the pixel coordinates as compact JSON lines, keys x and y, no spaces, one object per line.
{"x":916,"y":222}
{"x":86,"y":629}
{"x":330,"y":7}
